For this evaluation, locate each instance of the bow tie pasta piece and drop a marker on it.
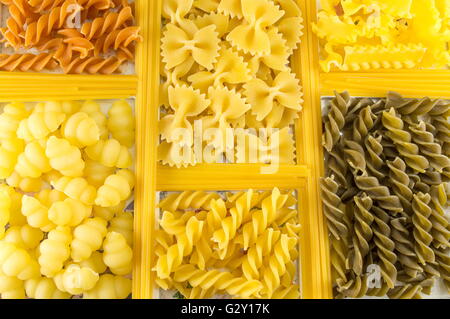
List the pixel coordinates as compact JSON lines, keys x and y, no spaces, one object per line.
{"x":17,"y":262}
{"x":11,"y":287}
{"x":206,"y":5}
{"x":87,"y":238}
{"x":291,"y":29}
{"x":43,"y":288}
{"x":251,"y":37}
{"x":285,"y":89}
{"x":110,"y":153}
{"x":76,"y":188}
{"x":36,"y":213}
{"x":122,"y":223}
{"x":110,"y":287}
{"x":115,"y":189}
{"x":39,"y":125}
{"x":121,"y":123}
{"x":81,"y":130}
{"x":33,"y":162}
{"x":55,"y":250}
{"x":12,"y":114}
{"x":75,"y":279}
{"x":92,"y":109}
{"x":174,"y":154}
{"x":231,"y":8}
{"x":176,"y":10}
{"x":69,"y":212}
{"x":290,"y":8}
{"x":186,"y":102}
{"x":219,"y":20}
{"x":64,"y":157}
{"x":177,"y":46}
{"x":230,"y":68}
{"x":117,"y":255}
{"x":24,"y":236}
{"x":10,"y":149}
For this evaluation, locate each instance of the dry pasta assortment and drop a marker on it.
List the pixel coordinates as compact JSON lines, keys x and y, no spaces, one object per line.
{"x":242,"y":244}
{"x":226,"y":64}
{"x":72,"y":36}
{"x":385,"y":194}
{"x":67,"y":179}
{"x":383,"y":34}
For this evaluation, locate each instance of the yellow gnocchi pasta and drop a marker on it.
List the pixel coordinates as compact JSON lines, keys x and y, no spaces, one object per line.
{"x":66,"y":180}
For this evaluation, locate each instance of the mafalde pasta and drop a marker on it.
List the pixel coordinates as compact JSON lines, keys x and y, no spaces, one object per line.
{"x":69,"y":36}
{"x":358,"y":35}
{"x":225,"y":66}
{"x":66,"y":198}
{"x":245,"y":245}
{"x":385,"y":194}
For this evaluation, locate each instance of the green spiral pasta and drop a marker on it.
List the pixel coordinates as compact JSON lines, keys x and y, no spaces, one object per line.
{"x":363,"y":124}
{"x":335,"y":120}
{"x":379,"y":193}
{"x":410,"y":106}
{"x":428,"y":147}
{"x":385,"y":247}
{"x":400,"y":183}
{"x":443,"y":259}
{"x":355,"y":157}
{"x":404,"y":247}
{"x":362,"y":231}
{"x":422,"y":228}
{"x":406,"y":292}
{"x":442,"y":127}
{"x":374,"y":149}
{"x":440,"y":225}
{"x":354,"y":288}
{"x":337,"y":167}
{"x":333,"y":207}
{"x":403,"y":141}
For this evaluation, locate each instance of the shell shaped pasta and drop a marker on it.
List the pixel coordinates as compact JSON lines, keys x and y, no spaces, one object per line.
{"x":252,"y":37}
{"x":121,"y":123}
{"x":110,"y":153}
{"x":36,"y":213}
{"x":17,"y":262}
{"x":122,"y":223}
{"x":33,"y":162}
{"x":110,"y":287}
{"x":92,"y":109}
{"x":76,"y":280}
{"x":24,"y":236}
{"x":87,"y":238}
{"x":10,"y":150}
{"x":115,"y":189}
{"x":39,"y":125}
{"x":55,"y":250}
{"x":96,"y":173}
{"x":178,"y":45}
{"x":117,"y":255}
{"x":64,"y":157}
{"x":10,"y":118}
{"x":76,"y":188}
{"x":69,"y":212}
{"x":43,"y":288}
{"x":81,"y":130}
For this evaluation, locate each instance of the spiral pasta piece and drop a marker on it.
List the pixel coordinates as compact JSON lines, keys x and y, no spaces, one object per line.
{"x":121,"y":123}
{"x":374,"y":161}
{"x":111,"y":21}
{"x":81,"y":130}
{"x":115,"y":189}
{"x":17,"y":262}
{"x":441,"y":229}
{"x":188,"y":199}
{"x":333,"y":208}
{"x":64,"y":157}
{"x":406,"y":292}
{"x":43,"y":288}
{"x":379,"y":193}
{"x":219,"y":280}
{"x":117,"y":255}
{"x":75,"y":279}
{"x":87,"y":238}
{"x":27,"y":62}
{"x":54,"y":251}
{"x":335,"y":120}
{"x":400,"y":182}
{"x":109,"y":153}
{"x":39,"y":125}
{"x":422,"y":228}
{"x":110,"y":287}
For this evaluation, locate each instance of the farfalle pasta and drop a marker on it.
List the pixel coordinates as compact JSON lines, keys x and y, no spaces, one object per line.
{"x":243,"y":246}
{"x":385,"y":195}
{"x":360,"y":35}
{"x":225,"y":67}
{"x":70,"y":36}
{"x":66,"y":187}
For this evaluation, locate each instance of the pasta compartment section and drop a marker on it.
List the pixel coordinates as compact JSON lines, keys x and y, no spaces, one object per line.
{"x":243,"y":244}
{"x":67,"y":193}
{"x":69,"y":36}
{"x":230,"y":89}
{"x":385,"y":195}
